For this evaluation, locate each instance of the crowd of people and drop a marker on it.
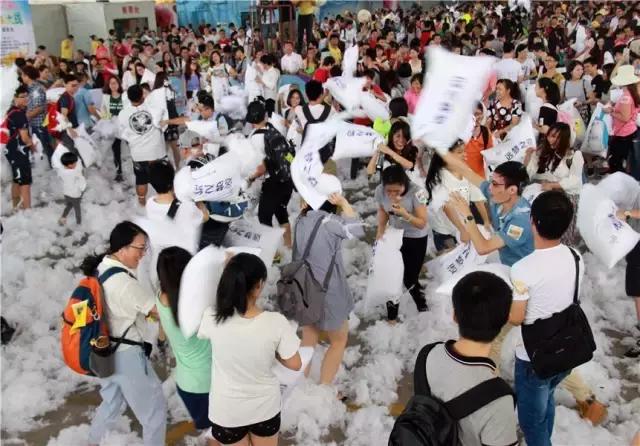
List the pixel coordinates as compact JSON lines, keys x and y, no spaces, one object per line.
{"x":585,"y":51}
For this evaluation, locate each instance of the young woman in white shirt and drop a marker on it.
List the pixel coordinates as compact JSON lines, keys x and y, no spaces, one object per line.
{"x":219,"y":73}
{"x":556,"y":165}
{"x":244,"y":402}
{"x":268,"y":77}
{"x":440,"y":180}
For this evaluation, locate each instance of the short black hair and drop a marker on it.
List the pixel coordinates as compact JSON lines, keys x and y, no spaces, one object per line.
{"x":481,"y":304}
{"x":313,"y":89}
{"x":69,"y":78}
{"x":22,"y":89}
{"x":68,"y":158}
{"x":134,"y":93}
{"x":398,"y":107}
{"x":207,"y":101}
{"x":31,"y":72}
{"x":404,"y":70}
{"x":161,"y":177}
{"x":551,"y":214}
{"x":395,"y":174}
{"x":514,"y":174}
{"x":508,"y":47}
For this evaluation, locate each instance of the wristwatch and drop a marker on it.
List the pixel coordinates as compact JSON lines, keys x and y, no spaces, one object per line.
{"x":627,"y":215}
{"x":469,"y":219}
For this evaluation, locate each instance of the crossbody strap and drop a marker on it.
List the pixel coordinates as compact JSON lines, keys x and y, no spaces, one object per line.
{"x":312,"y":237}
{"x":576,"y":290}
{"x":479,"y":396}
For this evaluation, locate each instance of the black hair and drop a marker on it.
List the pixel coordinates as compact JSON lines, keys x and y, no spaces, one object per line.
{"x":404,"y":70}
{"x":69,"y":78}
{"x":435,"y":167}
{"x":395,"y":174}
{"x":239,"y":278}
{"x":416,"y":77}
{"x":514,"y":174}
{"x":481,"y":305}
{"x":335,"y":71}
{"x":31,"y":72}
{"x":507,"y":47}
{"x":291,"y":93}
{"x":68,"y":158}
{"x":398,"y":107}
{"x":206,"y":100}
{"x":551,"y":214}
{"x":122,"y":235}
{"x":171,"y":264}
{"x":572,"y":65}
{"x":134,"y":93}
{"x":22,"y":89}
{"x":329,"y":60}
{"x":551,"y":90}
{"x":313,"y":89}
{"x":161,"y":177}
{"x":519,"y":48}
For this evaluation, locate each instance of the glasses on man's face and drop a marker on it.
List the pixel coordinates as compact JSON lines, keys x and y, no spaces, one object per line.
{"x":142,"y":248}
{"x":494,"y":183}
{"x":22,"y":96}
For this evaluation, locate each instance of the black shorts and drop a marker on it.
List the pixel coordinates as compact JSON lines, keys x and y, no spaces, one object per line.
{"x":274,"y":199}
{"x":198,"y":407}
{"x":172,"y":133}
{"x":142,"y":170}
{"x":230,"y":435}
{"x":632,"y":276}
{"x":21,"y":169}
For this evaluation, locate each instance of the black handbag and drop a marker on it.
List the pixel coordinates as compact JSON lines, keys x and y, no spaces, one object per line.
{"x":561,"y":342}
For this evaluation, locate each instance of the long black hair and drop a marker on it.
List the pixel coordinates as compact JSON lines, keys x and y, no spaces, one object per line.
{"x":240,"y":276}
{"x":171,"y":264}
{"x":121,"y":235}
{"x":435,"y":167}
{"x":409,"y":152}
{"x":395,"y":174}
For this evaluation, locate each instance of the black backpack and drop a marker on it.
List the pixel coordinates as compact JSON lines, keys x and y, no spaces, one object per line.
{"x":327,"y":151}
{"x":279,"y":154}
{"x":428,"y":421}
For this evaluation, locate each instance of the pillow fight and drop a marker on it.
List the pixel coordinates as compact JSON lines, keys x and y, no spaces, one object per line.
{"x":497,"y":142}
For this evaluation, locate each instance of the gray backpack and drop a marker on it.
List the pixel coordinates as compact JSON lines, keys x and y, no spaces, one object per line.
{"x":300,"y":296}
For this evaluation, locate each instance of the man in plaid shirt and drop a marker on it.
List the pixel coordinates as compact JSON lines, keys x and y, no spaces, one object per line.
{"x":37,"y":107}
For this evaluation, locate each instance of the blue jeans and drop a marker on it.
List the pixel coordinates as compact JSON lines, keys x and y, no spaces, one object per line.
{"x":536,"y":404}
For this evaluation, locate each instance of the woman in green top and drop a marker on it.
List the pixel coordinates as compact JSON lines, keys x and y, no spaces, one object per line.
{"x":193,"y":355}
{"x":310,"y":62}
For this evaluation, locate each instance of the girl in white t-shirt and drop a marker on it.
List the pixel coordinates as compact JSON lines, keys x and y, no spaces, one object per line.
{"x":244,"y":401}
{"x":441,"y":182}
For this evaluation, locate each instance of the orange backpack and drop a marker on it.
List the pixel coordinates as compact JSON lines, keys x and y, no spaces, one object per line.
{"x":5,"y":136}
{"x":85,"y":320}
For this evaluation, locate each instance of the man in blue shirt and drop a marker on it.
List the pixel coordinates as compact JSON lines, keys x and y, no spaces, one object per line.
{"x":509,"y":211}
{"x":84,"y":103}
{"x":513,"y":238}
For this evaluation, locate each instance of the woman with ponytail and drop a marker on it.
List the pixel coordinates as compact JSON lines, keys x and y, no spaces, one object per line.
{"x":127,"y":303}
{"x":244,"y":402}
{"x":193,"y":355}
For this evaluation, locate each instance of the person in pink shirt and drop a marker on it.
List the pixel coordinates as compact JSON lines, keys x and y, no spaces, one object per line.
{"x":623,"y":115}
{"x":413,"y":94}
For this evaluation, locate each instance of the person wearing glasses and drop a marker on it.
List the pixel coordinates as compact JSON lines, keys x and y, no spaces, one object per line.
{"x":513,"y":239}
{"x":134,"y":381}
{"x":17,"y":149}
